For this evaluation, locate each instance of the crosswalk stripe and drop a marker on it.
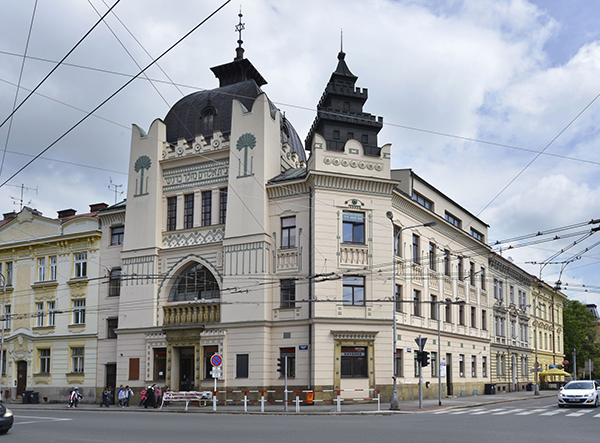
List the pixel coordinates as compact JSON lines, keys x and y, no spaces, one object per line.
{"x":467,"y":411}
{"x":577,"y":414}
{"x":510,"y":411}
{"x":552,"y":412}
{"x":445,"y":411}
{"x":532,"y":411}
{"x":488,"y":411}
{"x":597,"y":416}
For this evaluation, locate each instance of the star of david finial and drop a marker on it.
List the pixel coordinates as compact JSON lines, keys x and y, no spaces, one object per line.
{"x":239,"y":28}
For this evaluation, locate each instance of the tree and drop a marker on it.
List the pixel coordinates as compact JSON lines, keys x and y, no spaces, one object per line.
{"x":580,"y":334}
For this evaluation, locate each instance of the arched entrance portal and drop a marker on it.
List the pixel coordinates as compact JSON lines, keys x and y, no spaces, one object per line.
{"x":193,"y":302}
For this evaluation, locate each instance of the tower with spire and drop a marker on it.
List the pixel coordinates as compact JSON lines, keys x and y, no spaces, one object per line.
{"x":340,"y":115}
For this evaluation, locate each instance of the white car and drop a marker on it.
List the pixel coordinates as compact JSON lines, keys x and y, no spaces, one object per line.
{"x":579,"y":392}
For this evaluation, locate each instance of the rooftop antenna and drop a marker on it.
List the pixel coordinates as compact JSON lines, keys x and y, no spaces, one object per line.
{"x":116,"y":189}
{"x":20,"y":200}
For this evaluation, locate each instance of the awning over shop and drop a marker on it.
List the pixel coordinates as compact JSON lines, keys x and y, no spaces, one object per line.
{"x":554,"y":371}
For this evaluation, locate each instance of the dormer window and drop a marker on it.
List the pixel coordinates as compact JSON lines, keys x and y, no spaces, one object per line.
{"x":208,"y":117}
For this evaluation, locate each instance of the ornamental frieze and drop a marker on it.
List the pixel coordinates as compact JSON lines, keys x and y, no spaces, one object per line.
{"x":193,"y":238}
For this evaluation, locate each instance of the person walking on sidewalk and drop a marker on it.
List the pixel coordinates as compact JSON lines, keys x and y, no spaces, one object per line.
{"x":143,"y":395}
{"x":74,"y":398}
{"x":122,"y":396}
{"x":105,"y":397}
{"x":129,"y":395}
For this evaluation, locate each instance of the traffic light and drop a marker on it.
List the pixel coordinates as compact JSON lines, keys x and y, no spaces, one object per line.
{"x":424,"y":358}
{"x":281,"y":365}
{"x":419,"y":355}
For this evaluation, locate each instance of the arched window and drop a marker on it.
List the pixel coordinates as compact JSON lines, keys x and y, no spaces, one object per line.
{"x":194,"y":283}
{"x":208,"y":120}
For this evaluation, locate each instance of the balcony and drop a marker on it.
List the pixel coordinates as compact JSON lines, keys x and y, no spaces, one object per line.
{"x":354,"y":255}
{"x":473,"y":294}
{"x":417,"y":273}
{"x":447,"y":284}
{"x":287,"y":259}
{"x":433,"y":280}
{"x":186,"y":315}
{"x":461,"y":289}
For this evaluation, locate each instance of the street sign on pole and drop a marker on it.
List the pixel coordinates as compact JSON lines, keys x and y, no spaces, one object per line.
{"x":216,"y":360}
{"x":421,"y":342}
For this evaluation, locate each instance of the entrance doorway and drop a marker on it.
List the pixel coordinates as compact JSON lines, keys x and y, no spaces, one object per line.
{"x":449,"y":389}
{"x":186,"y":369}
{"x":21,"y":377}
{"x":111,"y":378}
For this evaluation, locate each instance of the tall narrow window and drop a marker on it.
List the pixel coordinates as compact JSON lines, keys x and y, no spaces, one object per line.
{"x":484,"y":366}
{"x":448,"y":313}
{"x":288,"y":232}
{"x":116,"y":235}
{"x":112,"y":324}
{"x":397,"y":241}
{"x":208,"y":122}
{"x":79,"y":312}
{"x":472,"y":273}
{"x":44,"y":363}
{"x":484,"y":320}
{"x":222,"y":205}
{"x":80,"y":265}
{"x":473,"y":366}
{"x":416,"y":252}
{"x":288,"y":293}
{"x":7,"y":318}
{"x":460,"y":267}
{"x":353,"y":227}
{"x":39,"y":314}
{"x":433,"y":307}
{"x":160,"y":363}
{"x":53,"y":268}
{"x":434,"y":365}
{"x":42,"y":269}
{"x":399,"y":301}
{"x":241,"y":366}
{"x":354,"y":291}
{"x":416,"y":302}
{"x":114,"y":282}
{"x":447,"y":262}
{"x":432,"y":256}
{"x":188,"y":211}
{"x":461,"y":315}
{"x":77,"y":355}
{"x":473,"y":317}
{"x":398,"y":367}
{"x":171,"y":213}
{"x":206,"y":208}
{"x":483,"y":286}
{"x":461,"y":365}
{"x":9,"y":273}
{"x":511,"y":294}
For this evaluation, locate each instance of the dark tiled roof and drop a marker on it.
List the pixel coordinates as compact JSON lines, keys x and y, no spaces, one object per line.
{"x":290,"y":174}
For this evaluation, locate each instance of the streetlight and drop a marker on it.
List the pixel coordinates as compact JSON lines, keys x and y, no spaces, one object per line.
{"x":2,"y":369}
{"x":389,"y":214}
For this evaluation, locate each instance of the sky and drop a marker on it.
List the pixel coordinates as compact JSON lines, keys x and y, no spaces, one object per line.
{"x":470,"y":91}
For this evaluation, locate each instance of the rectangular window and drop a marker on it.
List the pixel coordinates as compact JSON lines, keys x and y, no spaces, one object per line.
{"x":353,"y":227}
{"x":484,"y":320}
{"x":498,"y":289}
{"x":484,"y":367}
{"x":171,"y":214}
{"x":433,"y":307}
{"x":79,"y":312}
{"x":434,"y":365}
{"x":9,"y":273}
{"x":289,"y":356}
{"x":336,"y":134}
{"x":44,"y":356}
{"x":397,"y":241}
{"x":160,"y":363}
{"x":134,"y":369}
{"x":80,"y":265}
{"x":476,"y":234}
{"x":4,"y":362}
{"x":416,"y":249}
{"x":416,"y":302}
{"x":116,"y":235}
{"x":53,"y":268}
{"x":461,"y":365}
{"x":432,"y":256}
{"x":353,"y":362}
{"x":473,"y":366}
{"x":447,"y":262}
{"x":398,"y":366}
{"x":206,"y":208}
{"x":51,"y":313}
{"x":364,"y":139}
{"x":288,"y":293}
{"x":77,"y":360}
{"x":452,"y":219}
{"x":209,"y":351}
{"x":473,"y":317}
{"x":461,"y":315}
{"x":39,"y":314}
{"x":288,"y":232}
{"x":222,"y":205}
{"x":114,"y":282}
{"x":511,"y":292}
{"x":460,"y":268}
{"x":112,"y":324}
{"x":472,"y":273}
{"x":7,"y":322}
{"x":354,"y":291}
{"x":241,"y":366}
{"x":483,"y":286}
{"x":448,"y":313}
{"x":41,"y":269}
{"x":423,"y":201}
{"x":399,"y":303}
{"x":188,"y":211}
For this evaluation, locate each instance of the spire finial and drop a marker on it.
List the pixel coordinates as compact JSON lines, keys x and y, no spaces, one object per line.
{"x":239,"y":28}
{"x":342,"y":40}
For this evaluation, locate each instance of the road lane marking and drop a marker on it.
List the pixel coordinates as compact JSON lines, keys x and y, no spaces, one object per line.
{"x":533,"y":411}
{"x":467,"y":411}
{"x":510,"y":411}
{"x":445,"y":411}
{"x":578,"y":414}
{"x":552,"y":412}
{"x":597,"y":416}
{"x":488,"y":411}
{"x":37,"y":419}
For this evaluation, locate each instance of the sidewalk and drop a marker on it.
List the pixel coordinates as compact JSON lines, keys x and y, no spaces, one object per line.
{"x":406,"y":407}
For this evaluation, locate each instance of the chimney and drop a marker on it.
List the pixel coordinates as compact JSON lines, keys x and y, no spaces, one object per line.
{"x":98,"y":206}
{"x":66,"y":213}
{"x":10,"y":215}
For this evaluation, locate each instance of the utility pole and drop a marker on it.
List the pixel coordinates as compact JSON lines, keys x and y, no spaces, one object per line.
{"x":574,"y":364}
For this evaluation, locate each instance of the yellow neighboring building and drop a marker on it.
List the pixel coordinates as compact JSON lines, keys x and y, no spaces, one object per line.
{"x":547,"y":329}
{"x":52,"y":273}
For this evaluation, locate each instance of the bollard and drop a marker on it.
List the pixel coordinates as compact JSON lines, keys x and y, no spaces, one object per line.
{"x":214,"y":400}
{"x":297,"y":402}
{"x":339,"y":402}
{"x":262,"y":401}
{"x":245,"y":401}
{"x":378,"y":403}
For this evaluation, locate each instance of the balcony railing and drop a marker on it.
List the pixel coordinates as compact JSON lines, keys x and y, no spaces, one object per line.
{"x":287,"y":259}
{"x":433,"y":280}
{"x":447,"y":284}
{"x":417,"y":273}
{"x":354,"y":255}
{"x":192,"y":314}
{"x":473,"y":294}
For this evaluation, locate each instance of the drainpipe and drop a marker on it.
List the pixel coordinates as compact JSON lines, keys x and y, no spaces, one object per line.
{"x":310,"y":287}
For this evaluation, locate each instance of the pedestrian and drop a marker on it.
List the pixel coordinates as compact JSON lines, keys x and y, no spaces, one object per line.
{"x":143,"y":395}
{"x":105,"y":397}
{"x":129,"y":395}
{"x":158,"y":394}
{"x":150,"y":399}
{"x":74,"y":398}
{"x":122,"y":395}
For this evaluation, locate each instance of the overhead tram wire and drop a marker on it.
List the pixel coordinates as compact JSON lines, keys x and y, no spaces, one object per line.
{"x":116,"y":92}
{"x":57,"y":66}
{"x":18,"y":87}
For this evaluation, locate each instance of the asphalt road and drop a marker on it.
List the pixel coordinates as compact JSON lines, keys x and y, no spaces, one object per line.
{"x":534,"y":421}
